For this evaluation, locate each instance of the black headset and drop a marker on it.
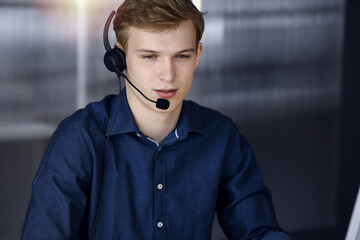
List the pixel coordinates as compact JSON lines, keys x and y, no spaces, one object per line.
{"x":114,"y":58}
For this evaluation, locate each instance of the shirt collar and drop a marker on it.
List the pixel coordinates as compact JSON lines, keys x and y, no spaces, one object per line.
{"x":125,"y":123}
{"x":188,"y":121}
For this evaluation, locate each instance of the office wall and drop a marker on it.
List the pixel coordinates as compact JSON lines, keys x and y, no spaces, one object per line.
{"x":349,"y":157}
{"x":273,"y":66}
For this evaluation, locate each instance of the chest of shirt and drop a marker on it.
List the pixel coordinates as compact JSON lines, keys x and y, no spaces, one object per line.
{"x":174,"y":186}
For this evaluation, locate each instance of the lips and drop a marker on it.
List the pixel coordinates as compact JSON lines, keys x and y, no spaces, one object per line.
{"x":166,"y":93}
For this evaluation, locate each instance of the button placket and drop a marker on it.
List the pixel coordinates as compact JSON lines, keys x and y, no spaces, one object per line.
{"x":159,"y":193}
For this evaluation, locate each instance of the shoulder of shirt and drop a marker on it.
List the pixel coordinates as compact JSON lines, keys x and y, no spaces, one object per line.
{"x":98,"y":110}
{"x":94,"y":117}
{"x":208,"y":117}
{"x":216,"y":124}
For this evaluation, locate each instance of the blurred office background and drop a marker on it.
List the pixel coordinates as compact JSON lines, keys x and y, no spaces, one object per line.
{"x":286,"y":71}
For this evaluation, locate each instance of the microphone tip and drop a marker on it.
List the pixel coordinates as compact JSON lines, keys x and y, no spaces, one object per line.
{"x":162,"y":104}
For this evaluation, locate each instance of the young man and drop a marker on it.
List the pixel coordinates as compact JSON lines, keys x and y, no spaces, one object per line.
{"x":164,"y":173}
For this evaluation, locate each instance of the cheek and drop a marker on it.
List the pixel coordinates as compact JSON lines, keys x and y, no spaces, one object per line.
{"x":137,"y":69}
{"x":186,"y":76}
{"x":186,"y":72}
{"x":131,"y":64}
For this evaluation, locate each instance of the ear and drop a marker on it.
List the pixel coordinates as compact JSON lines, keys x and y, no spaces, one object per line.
{"x":198,"y":53}
{"x":118,"y":45}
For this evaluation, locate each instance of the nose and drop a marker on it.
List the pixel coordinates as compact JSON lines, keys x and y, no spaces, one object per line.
{"x":167,"y":70}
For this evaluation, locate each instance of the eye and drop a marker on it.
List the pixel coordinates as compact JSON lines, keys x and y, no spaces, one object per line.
{"x":182,"y":56}
{"x":149,"y":57}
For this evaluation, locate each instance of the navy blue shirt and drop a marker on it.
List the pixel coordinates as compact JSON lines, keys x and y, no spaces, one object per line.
{"x":151,"y":191}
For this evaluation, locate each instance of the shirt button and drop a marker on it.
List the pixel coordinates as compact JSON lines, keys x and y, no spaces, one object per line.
{"x":159,"y":149}
{"x":160,"y":186}
{"x":160,"y":224}
{"x":138,"y":134}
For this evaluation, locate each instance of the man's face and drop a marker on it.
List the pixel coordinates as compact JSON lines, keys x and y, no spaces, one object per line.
{"x":161,"y":65}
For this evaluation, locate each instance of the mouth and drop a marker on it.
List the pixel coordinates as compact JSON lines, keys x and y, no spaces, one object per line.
{"x":166,"y":93}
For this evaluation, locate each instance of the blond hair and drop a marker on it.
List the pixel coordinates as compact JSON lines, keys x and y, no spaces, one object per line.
{"x":157,"y":16}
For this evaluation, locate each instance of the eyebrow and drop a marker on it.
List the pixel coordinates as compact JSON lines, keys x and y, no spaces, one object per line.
{"x":143,"y":50}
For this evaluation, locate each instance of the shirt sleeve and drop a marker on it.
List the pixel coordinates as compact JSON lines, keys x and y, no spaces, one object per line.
{"x":245,"y":209}
{"x":59,"y":191}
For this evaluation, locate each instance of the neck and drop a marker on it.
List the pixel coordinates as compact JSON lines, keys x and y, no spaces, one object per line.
{"x":154,"y":124}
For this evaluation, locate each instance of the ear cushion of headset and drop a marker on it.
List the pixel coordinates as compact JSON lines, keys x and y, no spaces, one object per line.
{"x":120,"y":56}
{"x":115,"y":58}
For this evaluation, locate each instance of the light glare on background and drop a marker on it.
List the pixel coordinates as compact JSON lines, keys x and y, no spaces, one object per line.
{"x":81,"y":49}
{"x":197,"y":3}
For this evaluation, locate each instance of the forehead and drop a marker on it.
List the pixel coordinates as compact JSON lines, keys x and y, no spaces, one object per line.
{"x":179,"y":38}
